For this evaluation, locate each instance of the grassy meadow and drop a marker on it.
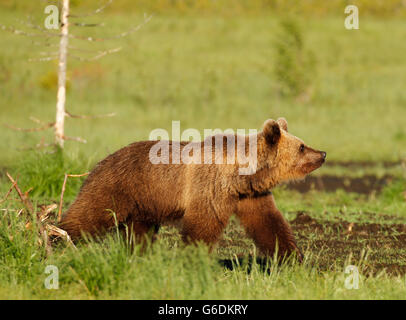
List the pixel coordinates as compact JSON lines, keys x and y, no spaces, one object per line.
{"x":211,"y":70}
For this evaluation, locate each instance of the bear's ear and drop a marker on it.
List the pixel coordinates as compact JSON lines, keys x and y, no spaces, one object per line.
{"x":283,"y":123}
{"x":272,"y":132}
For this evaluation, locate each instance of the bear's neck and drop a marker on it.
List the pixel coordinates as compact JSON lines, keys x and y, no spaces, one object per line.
{"x":260,"y":182}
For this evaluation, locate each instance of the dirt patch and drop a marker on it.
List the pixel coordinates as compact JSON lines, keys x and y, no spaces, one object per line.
{"x":329,"y":244}
{"x":330,"y":183}
{"x":362,"y":164}
{"x":380,"y":246}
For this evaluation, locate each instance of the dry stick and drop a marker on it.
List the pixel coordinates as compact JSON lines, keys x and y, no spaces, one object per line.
{"x":45,"y":59}
{"x":50,"y":1}
{"x":36,"y":27}
{"x":9,"y":191}
{"x":45,"y":53}
{"x":82,"y":24}
{"x":58,"y":232}
{"x":68,"y":114}
{"x":47,"y":126}
{"x":73,"y":48}
{"x":30,"y":208}
{"x":36,"y":120}
{"x":121,"y":35}
{"x":38,"y":145}
{"x":78,"y":139}
{"x":71,"y":36}
{"x":98,"y":10}
{"x":44,"y":234}
{"x":63,"y":190}
{"x":46,"y":210}
{"x":24,"y":198}
{"x":46,"y":44}
{"x":27,"y":34}
{"x":100,"y":54}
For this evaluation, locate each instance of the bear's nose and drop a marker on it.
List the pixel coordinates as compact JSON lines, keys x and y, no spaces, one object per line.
{"x":323,"y":154}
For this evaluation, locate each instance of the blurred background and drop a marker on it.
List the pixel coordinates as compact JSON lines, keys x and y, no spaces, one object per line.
{"x":212,"y":64}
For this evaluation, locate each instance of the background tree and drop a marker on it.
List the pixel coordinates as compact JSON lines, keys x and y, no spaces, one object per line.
{"x":62,"y":55}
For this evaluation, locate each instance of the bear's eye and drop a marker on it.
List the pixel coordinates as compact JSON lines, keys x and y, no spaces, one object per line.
{"x":302,"y":147}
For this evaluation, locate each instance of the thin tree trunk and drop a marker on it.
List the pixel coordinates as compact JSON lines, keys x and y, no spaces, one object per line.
{"x":61,"y":98}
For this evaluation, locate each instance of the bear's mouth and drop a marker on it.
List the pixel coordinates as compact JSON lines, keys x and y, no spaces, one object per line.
{"x":311,"y":166}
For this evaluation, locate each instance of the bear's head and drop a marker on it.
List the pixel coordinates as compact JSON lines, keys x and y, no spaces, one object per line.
{"x":288,"y":156}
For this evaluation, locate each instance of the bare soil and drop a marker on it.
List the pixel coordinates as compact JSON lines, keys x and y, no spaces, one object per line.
{"x":362,"y":164}
{"x":329,"y":244}
{"x":383,"y":244}
{"x":363,"y":185}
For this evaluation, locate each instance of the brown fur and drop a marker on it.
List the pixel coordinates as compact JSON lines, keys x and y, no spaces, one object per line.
{"x":200,"y":198}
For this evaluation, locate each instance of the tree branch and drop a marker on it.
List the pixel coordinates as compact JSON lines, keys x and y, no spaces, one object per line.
{"x":78,"y":139}
{"x":98,"y":10}
{"x":27,"y":34}
{"x":63,"y":190}
{"x":47,"y":126}
{"x":68,"y":114}
{"x":88,"y":25}
{"x":121,"y":35}
{"x":101,"y":54}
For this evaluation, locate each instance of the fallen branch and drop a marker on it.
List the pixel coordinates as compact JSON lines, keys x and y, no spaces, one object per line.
{"x":30,"y":208}
{"x":44,"y":234}
{"x":45,"y":228}
{"x":58,"y":232}
{"x":46,"y":210}
{"x":63,"y":190}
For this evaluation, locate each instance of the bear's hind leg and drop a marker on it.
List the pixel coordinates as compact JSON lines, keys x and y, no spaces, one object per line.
{"x":265,"y":224}
{"x":138,"y":232}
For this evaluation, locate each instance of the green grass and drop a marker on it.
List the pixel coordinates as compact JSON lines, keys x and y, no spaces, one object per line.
{"x":207,"y":71}
{"x":107,"y":270}
{"x":213,"y":72}
{"x":169,"y":270}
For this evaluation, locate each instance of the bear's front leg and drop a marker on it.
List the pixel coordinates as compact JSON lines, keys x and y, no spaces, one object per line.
{"x":265,"y":224}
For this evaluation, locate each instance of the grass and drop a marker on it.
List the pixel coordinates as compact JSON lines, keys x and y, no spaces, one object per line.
{"x":108,"y":271}
{"x":213,"y":72}
{"x":169,"y":270}
{"x":209,"y":71}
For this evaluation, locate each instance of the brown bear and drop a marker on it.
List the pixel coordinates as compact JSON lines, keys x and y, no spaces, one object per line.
{"x":198,"y":197}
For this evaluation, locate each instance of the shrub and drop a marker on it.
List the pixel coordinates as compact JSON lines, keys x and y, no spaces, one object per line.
{"x":294,"y":65}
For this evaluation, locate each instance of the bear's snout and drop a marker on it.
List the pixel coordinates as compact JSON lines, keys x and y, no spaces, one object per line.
{"x":323,"y":155}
